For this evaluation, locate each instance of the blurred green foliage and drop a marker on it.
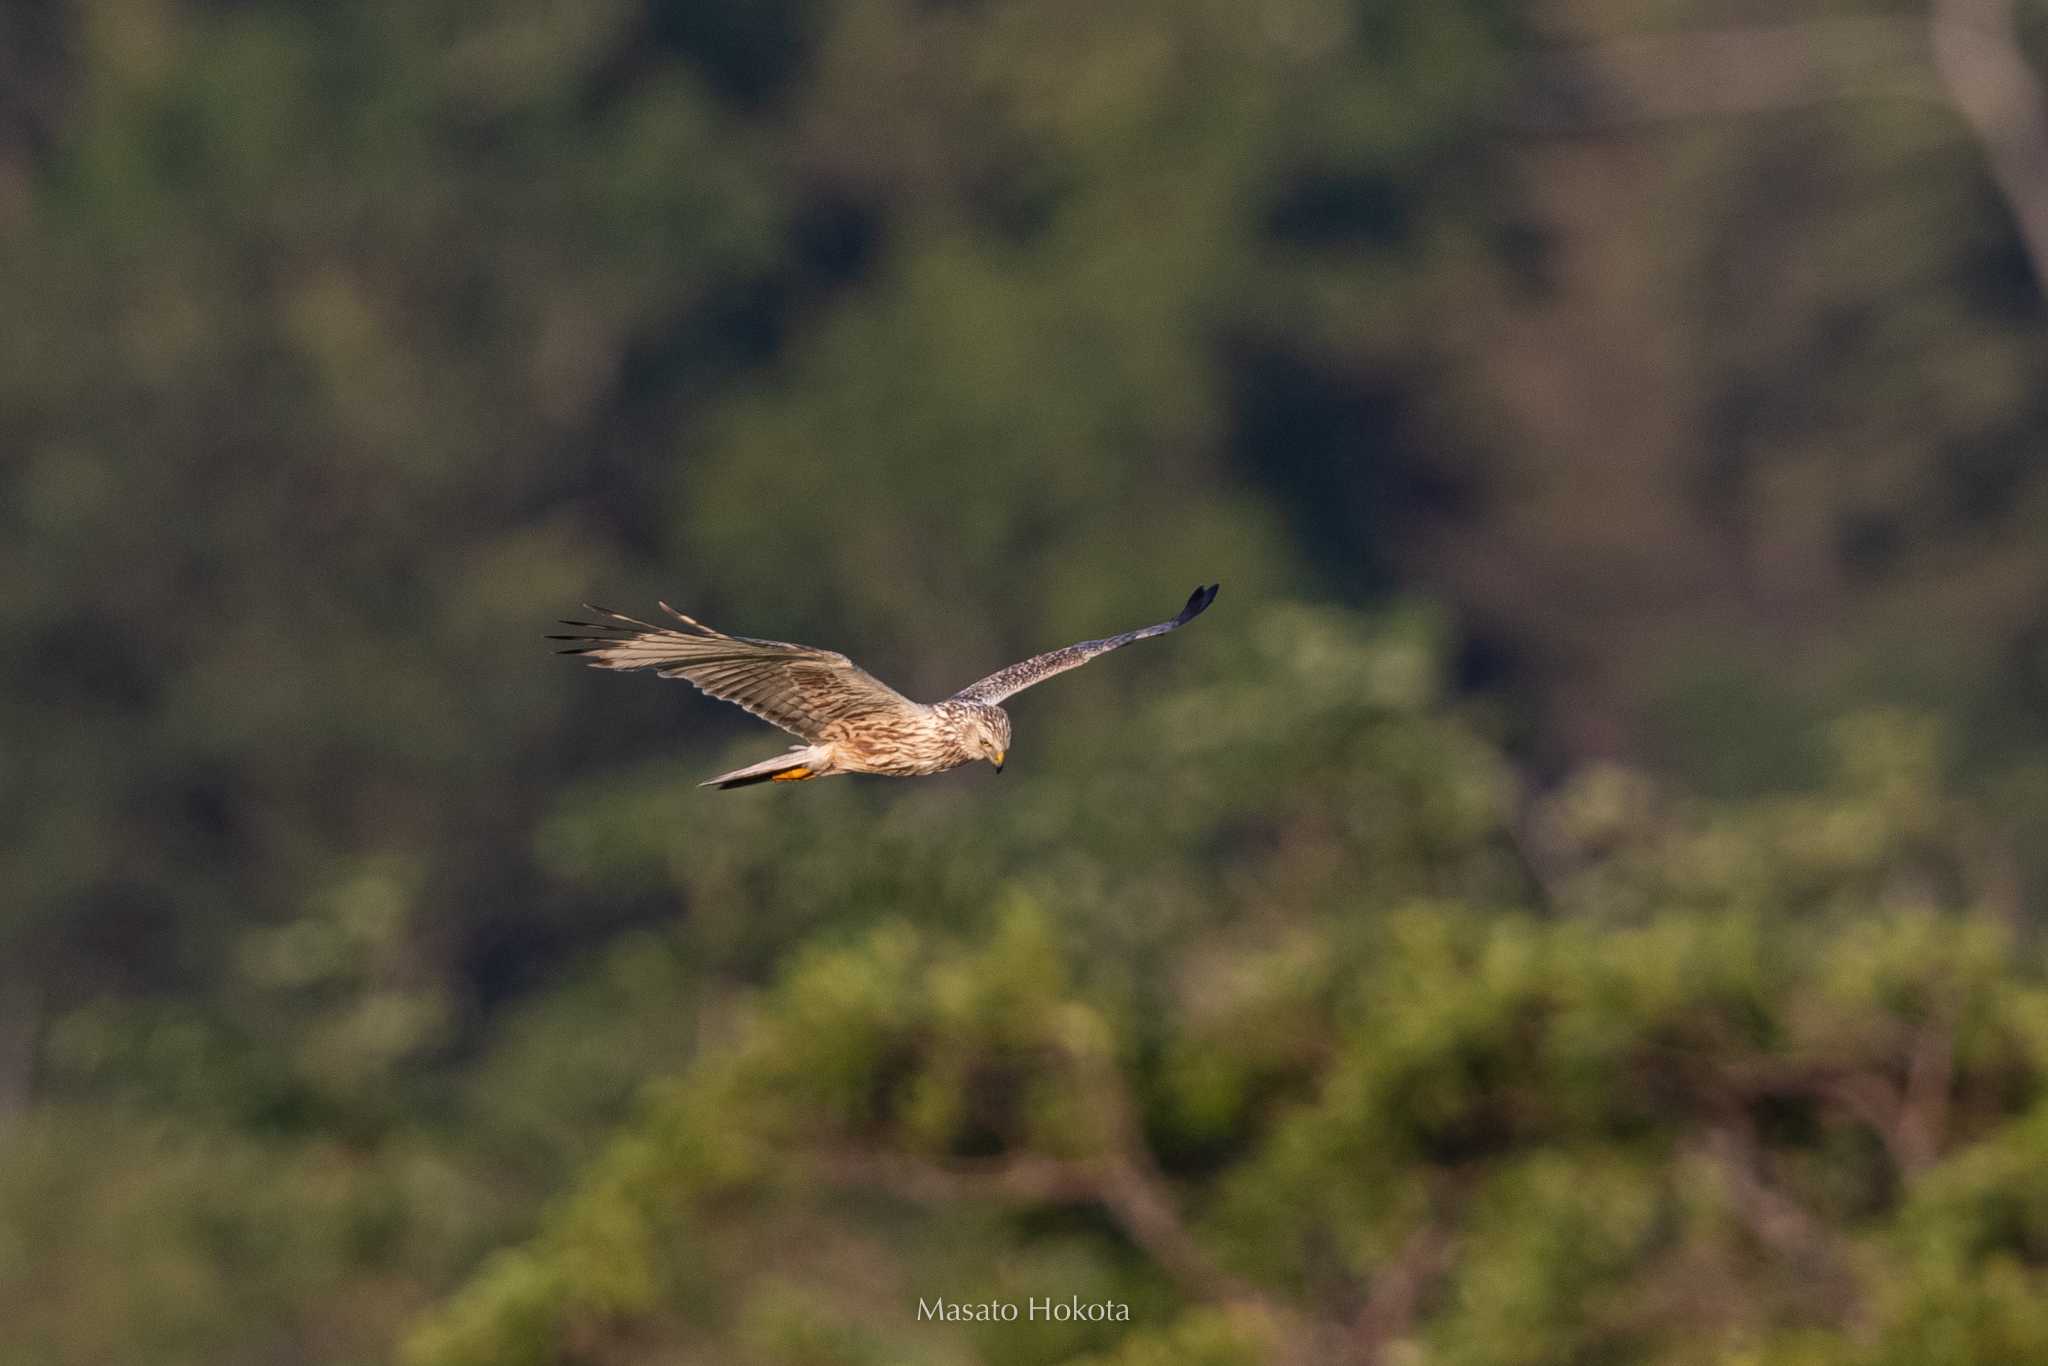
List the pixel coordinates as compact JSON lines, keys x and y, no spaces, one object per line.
{"x":1757,"y":1082}
{"x":373,"y":984}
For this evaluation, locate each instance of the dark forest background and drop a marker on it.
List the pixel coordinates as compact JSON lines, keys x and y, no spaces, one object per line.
{"x":1575,"y":899}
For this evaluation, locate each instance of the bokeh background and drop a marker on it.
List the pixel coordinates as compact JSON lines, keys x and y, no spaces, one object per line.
{"x":1575,"y":899}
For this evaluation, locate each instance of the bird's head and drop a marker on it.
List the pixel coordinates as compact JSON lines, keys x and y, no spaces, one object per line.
{"x":992,"y":735}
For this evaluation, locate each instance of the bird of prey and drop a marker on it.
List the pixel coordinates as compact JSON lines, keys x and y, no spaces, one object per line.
{"x":849,"y":720}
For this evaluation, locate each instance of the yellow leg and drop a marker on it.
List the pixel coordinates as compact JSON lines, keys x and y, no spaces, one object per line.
{"x":794,"y":775}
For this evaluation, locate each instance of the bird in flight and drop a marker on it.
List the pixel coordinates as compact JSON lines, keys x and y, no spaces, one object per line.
{"x":849,"y":720}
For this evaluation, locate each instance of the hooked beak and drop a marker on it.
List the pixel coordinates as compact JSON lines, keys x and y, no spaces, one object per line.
{"x":998,"y":761}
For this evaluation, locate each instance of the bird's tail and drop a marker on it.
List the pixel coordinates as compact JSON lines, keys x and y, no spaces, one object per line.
{"x":803,"y":761}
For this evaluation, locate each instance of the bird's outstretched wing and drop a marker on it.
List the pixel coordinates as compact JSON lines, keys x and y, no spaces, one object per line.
{"x":1038,"y":668}
{"x":797,"y":687}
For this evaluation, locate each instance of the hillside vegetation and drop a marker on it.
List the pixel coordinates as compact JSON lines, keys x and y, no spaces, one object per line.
{"x":1573,"y":899}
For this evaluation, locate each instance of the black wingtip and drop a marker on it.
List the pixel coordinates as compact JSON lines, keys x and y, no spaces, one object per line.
{"x":728,"y":784}
{"x":1198,"y":603}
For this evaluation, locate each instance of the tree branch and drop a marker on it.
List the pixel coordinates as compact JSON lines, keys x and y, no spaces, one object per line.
{"x":1966,"y":54}
{"x":1622,"y":81}
{"x":1774,"y":1218}
{"x":1123,"y":1179}
{"x":1397,"y":1292}
{"x":1011,"y":1180}
{"x":1911,"y":1121}
{"x":1977,"y":55}
{"x":1921,"y":1128}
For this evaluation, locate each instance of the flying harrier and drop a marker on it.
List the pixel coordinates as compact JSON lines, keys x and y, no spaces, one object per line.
{"x":849,"y":720}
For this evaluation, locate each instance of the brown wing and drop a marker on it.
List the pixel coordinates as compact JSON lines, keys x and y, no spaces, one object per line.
{"x":1038,"y":668}
{"x":797,"y":687}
